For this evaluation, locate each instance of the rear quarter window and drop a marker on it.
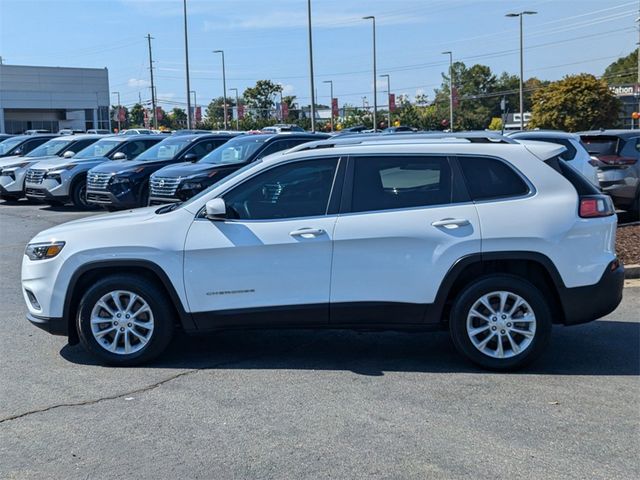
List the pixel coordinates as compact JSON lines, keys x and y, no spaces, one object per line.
{"x":489,"y":178}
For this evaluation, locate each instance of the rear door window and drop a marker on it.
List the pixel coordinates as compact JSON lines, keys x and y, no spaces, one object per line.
{"x":489,"y":178}
{"x":601,"y":144}
{"x":201,"y":149}
{"x":384,"y":183}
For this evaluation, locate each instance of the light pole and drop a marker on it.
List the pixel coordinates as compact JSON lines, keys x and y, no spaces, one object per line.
{"x":237,"y":109}
{"x":118,"y":95}
{"x":520,"y":15}
{"x":313,"y":99}
{"x":450,"y":89}
{"x":186,"y":63}
{"x":375,"y":74}
{"x":224,"y":88}
{"x":330,"y":82}
{"x":386,"y":75}
{"x":195,"y":105}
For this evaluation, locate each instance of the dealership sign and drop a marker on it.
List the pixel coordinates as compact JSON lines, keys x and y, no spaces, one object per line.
{"x":625,"y":90}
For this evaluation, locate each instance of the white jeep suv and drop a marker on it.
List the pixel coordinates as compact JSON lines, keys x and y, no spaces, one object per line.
{"x":495,"y":241}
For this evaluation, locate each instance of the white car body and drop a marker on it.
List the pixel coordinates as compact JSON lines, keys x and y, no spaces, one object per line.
{"x":218,"y":268}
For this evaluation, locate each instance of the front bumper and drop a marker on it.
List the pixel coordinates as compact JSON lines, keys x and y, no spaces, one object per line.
{"x":122,"y":199}
{"x":591,"y":302}
{"x":54,"y":326}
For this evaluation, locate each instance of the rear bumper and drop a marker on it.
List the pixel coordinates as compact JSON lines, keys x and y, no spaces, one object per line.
{"x":585,"y":304}
{"x":54,"y":326}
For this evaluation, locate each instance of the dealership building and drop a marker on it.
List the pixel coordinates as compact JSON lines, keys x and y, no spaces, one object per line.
{"x":52,"y":98}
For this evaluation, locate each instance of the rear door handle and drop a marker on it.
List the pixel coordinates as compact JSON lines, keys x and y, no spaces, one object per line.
{"x":307,"y":232}
{"x":451,"y":222}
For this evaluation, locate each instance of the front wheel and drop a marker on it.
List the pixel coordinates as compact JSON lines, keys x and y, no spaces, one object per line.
{"x":125,"y":320}
{"x":500,"y":322}
{"x":79,"y":195}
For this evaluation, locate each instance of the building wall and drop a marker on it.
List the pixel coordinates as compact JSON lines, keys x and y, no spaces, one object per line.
{"x":53,"y":98}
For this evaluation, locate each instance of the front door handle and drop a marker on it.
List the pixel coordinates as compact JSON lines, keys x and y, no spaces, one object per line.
{"x":451,"y":222}
{"x":307,"y":232}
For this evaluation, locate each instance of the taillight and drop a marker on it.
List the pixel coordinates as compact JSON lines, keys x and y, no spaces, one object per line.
{"x":617,"y":160}
{"x":596,"y":206}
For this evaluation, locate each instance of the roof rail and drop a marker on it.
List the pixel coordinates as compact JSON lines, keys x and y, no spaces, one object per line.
{"x":406,"y":138}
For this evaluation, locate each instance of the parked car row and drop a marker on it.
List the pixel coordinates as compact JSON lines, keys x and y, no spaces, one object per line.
{"x":491,"y":238}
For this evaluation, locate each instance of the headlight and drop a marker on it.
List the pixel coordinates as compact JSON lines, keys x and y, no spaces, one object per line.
{"x":41,"y":251}
{"x":116,"y":180}
{"x":59,"y":170}
{"x":191,"y":186}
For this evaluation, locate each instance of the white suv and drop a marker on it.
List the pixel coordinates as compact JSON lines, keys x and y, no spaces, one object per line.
{"x":495,"y":241}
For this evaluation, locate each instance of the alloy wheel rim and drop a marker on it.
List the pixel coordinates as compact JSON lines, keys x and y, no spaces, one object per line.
{"x":501,"y":324}
{"x":122,"y":322}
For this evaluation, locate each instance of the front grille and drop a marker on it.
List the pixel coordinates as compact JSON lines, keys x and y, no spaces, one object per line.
{"x":35,"y":176}
{"x":98,"y":197}
{"x":164,"y":186}
{"x":98,"y":181}
{"x":34,"y":192}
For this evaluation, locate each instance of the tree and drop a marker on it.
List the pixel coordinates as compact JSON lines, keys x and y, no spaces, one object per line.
{"x":624,"y":70}
{"x":136,"y":115}
{"x":176,"y":119}
{"x":214,"y":112}
{"x":577,"y":102}
{"x":261,"y":97}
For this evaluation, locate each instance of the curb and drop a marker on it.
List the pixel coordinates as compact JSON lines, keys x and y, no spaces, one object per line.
{"x":632,"y":271}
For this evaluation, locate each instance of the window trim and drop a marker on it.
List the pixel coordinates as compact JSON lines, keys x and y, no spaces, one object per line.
{"x":459,"y":194}
{"x":532,"y":189}
{"x":336,"y":191}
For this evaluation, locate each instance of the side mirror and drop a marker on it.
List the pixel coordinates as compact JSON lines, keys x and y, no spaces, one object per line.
{"x":191,"y":157}
{"x":18,"y":152}
{"x":119,"y":156}
{"x":68,"y":154}
{"x":215,"y":209}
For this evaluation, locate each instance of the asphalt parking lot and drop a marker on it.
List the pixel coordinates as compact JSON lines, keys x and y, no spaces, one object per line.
{"x":298,"y":404}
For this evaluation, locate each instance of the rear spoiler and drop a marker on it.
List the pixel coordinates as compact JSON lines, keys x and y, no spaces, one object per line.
{"x":543,"y":150}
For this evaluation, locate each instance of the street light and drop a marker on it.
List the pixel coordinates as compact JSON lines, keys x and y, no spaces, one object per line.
{"x":375,"y":75}
{"x":330,"y":103}
{"x":388,"y":96}
{"x":237,"y":109}
{"x":313,"y":98}
{"x":195,"y":104}
{"x":520,"y":15}
{"x":118,"y":94}
{"x":186,"y":63}
{"x":224,"y":88}
{"x":450,"y":89}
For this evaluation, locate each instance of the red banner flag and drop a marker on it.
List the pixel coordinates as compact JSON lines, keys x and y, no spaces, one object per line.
{"x":122,"y":116}
{"x":334,"y":107}
{"x":240,"y":111}
{"x":456,"y":100}
{"x":198,"y":114}
{"x":284,"y":111}
{"x":159,"y":114}
{"x":392,"y":102}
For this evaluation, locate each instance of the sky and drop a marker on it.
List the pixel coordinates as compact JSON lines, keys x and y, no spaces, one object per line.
{"x":267,"y":39}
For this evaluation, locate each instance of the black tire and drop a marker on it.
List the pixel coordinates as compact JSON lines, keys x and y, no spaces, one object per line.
{"x":144,"y":195}
{"x":9,"y":198}
{"x":494,"y":283}
{"x":161,"y":309}
{"x":78,"y":194}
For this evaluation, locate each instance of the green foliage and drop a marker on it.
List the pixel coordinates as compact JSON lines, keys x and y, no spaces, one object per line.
{"x":577,"y":102}
{"x":261,"y":97}
{"x":214,"y":113}
{"x":624,"y":70}
{"x":136,"y":116}
{"x":496,"y":124}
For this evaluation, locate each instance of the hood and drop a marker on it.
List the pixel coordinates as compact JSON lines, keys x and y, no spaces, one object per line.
{"x":53,"y":162}
{"x":107,"y":221}
{"x":8,"y":161}
{"x":123,"y":166}
{"x":188,"y":169}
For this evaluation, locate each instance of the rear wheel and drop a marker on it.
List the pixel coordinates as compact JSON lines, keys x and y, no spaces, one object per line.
{"x":125,"y":320}
{"x":500,"y":322}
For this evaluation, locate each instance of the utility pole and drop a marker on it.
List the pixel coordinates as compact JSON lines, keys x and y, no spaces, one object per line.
{"x":153,"y":89}
{"x":638,"y":79}
{"x":312,"y":88}
{"x":330,"y":82}
{"x":387,"y":76}
{"x":237,"y":110}
{"x":224,"y":89}
{"x":186,"y":63}
{"x":520,"y":15}
{"x":375,"y":75}
{"x":450,"y":89}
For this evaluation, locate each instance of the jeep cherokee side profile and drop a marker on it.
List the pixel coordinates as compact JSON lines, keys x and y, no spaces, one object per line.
{"x":494,"y":241}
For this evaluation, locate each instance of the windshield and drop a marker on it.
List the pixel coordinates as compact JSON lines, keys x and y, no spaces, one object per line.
{"x":165,"y":150}
{"x":9,"y":144}
{"x":598,"y":145}
{"x":237,"y":150}
{"x":101,"y":148}
{"x":52,"y":147}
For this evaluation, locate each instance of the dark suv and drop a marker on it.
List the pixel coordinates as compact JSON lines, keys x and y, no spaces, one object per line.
{"x":124,"y":184}
{"x":23,"y":144}
{"x":177,"y":183}
{"x":616,"y":154}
